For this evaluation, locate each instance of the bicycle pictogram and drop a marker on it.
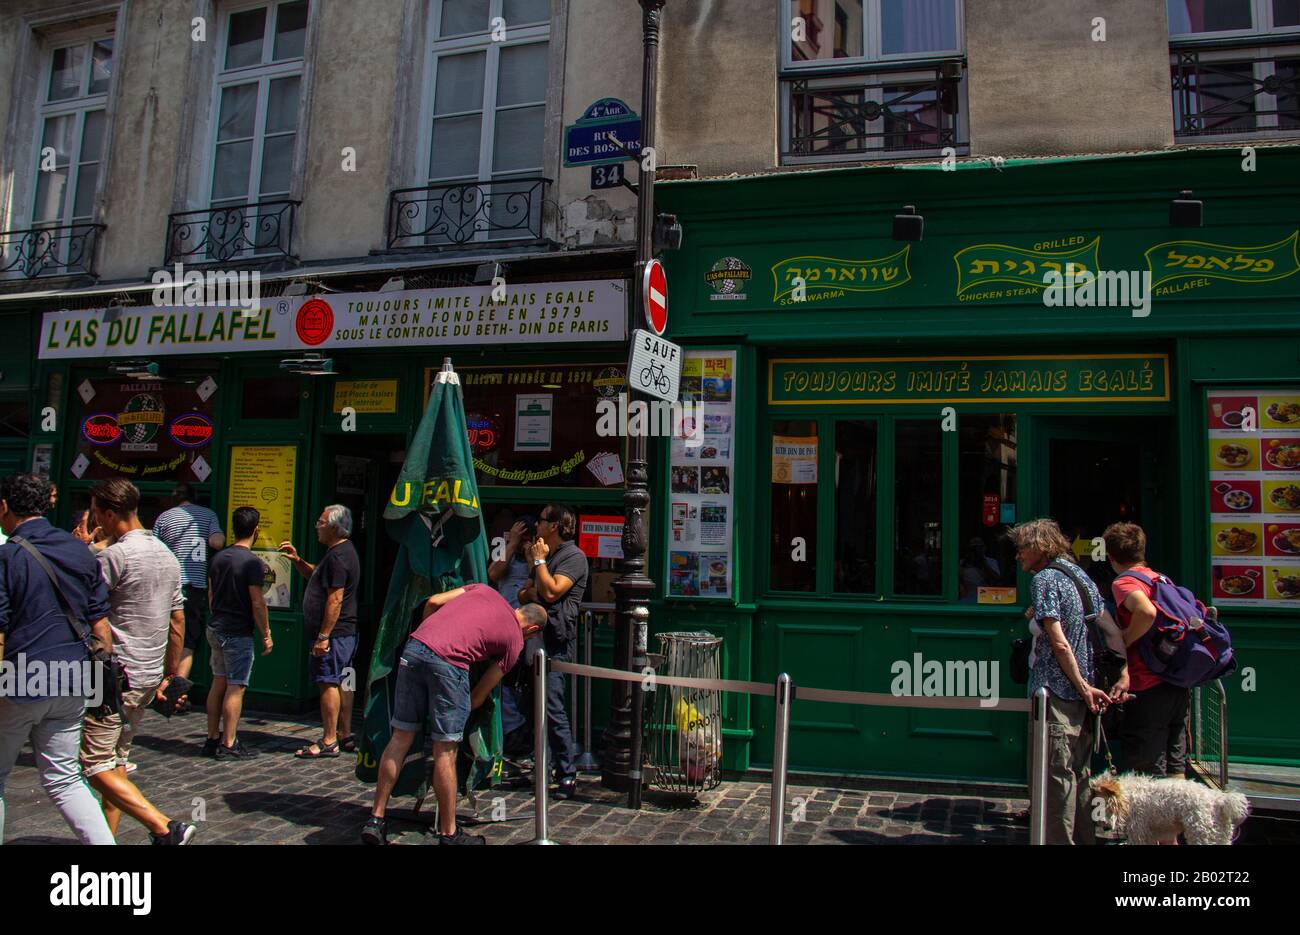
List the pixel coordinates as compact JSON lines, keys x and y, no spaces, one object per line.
{"x":654,"y":375}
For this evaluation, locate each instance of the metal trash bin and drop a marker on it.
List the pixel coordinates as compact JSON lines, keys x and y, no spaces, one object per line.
{"x":684,"y":733}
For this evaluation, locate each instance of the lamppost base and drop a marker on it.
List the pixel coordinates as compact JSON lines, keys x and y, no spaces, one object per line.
{"x":615,"y":782}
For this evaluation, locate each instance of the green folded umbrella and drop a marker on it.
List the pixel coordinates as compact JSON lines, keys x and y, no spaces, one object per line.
{"x":433,"y":512}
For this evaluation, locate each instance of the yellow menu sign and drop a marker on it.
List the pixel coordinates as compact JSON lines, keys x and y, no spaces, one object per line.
{"x":366,"y":395}
{"x":262,"y":476}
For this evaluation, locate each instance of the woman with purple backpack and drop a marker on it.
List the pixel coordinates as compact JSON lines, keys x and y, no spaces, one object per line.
{"x":1153,"y":732}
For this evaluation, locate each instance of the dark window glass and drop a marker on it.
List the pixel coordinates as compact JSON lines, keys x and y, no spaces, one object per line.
{"x":270,"y":398}
{"x":794,"y":506}
{"x":1286,"y":13}
{"x":918,"y":506}
{"x":986,"y":504}
{"x":855,"y":507}
{"x":1288,"y":93}
{"x":15,"y":419}
{"x":144,"y":429}
{"x":1197,"y":16}
{"x":290,"y":31}
{"x":1214,"y":97}
{"x":540,"y":426}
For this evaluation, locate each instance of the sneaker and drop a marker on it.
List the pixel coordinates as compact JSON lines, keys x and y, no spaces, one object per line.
{"x":375,"y":831}
{"x":460,"y":837}
{"x":566,"y":788}
{"x":236,"y":752}
{"x":210,"y":746}
{"x":178,"y":832}
{"x":130,"y":768}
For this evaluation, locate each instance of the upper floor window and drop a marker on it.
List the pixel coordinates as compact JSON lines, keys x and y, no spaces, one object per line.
{"x":72,"y":124}
{"x":1241,"y":89}
{"x":257,"y":103}
{"x":843,"y":31}
{"x":486,"y":109}
{"x":1202,"y":18}
{"x":865,"y":79}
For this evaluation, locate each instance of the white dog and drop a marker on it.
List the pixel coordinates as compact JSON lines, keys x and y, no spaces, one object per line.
{"x":1150,"y":810}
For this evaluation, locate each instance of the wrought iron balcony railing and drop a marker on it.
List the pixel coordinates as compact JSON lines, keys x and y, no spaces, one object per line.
{"x":260,"y":231}
{"x":1220,"y":93}
{"x":909,"y":110}
{"x":460,"y":213}
{"x":49,"y":251}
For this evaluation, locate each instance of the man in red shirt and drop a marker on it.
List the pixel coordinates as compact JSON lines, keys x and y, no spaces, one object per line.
{"x":1153,"y":734}
{"x":459,"y":628}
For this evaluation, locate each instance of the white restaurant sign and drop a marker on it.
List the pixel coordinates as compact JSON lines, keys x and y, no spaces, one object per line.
{"x":527,"y":313}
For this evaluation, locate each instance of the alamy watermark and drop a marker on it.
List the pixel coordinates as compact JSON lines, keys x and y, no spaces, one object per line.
{"x":1085,"y":289}
{"x":619,"y":418}
{"x":953,"y":678}
{"x":215,"y":288}
{"x":21,"y":677}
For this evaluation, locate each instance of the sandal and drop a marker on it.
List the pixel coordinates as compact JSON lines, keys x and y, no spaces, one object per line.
{"x":348,"y":744}
{"x":323,"y":749}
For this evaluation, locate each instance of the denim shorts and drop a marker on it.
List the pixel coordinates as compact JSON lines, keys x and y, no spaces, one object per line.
{"x":429,"y":686}
{"x":232,"y":657}
{"x":328,"y":669}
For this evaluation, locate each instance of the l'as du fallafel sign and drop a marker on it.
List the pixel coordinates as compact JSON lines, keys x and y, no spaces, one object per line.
{"x":585,"y":311}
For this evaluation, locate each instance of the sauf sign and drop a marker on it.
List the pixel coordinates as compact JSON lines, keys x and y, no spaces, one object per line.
{"x":655,"y":367}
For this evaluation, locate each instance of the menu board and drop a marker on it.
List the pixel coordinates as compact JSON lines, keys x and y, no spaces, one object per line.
{"x":1254,"y":497}
{"x":701,"y":475}
{"x":262,"y":476}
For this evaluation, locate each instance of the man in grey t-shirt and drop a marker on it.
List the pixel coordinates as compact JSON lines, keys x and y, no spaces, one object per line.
{"x":558,"y":584}
{"x":147,"y":617}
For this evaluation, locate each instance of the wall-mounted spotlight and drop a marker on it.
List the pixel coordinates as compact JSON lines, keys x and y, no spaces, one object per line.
{"x":667,"y":233}
{"x":297,"y":287}
{"x":1186,"y":211}
{"x":114,"y":310}
{"x":486,"y":273}
{"x":135,"y":369}
{"x":909,"y":225}
{"x":311,"y":365}
{"x":395,"y":284}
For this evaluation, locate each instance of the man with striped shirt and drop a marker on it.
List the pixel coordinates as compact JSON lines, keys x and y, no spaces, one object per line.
{"x":189,"y":530}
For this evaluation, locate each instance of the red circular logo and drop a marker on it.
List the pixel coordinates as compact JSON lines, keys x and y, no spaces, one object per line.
{"x":315,"y":321}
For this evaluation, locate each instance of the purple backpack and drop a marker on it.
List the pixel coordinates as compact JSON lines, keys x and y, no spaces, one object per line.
{"x":1186,"y":645}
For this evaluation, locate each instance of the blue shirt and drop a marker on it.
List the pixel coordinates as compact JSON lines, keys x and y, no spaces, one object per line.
{"x":185,"y":529}
{"x":31,"y":617}
{"x":1056,"y":598}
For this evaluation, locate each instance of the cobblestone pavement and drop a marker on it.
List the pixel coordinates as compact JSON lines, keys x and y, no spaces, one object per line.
{"x":275,"y":799}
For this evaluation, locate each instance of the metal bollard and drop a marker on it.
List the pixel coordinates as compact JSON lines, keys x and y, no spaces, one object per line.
{"x":1038,"y":781}
{"x":541,"y":770}
{"x":780,"y":757}
{"x":586,"y":761}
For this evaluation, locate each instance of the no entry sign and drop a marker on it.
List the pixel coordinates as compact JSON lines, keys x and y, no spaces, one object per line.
{"x":654,"y":293}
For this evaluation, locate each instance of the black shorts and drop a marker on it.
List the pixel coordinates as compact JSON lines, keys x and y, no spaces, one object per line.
{"x":196,"y":615}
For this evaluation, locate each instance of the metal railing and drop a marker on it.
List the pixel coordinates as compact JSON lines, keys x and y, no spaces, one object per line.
{"x":1209,"y":730}
{"x":914,"y":111}
{"x":454,"y":214}
{"x":39,"y":252}
{"x":259,"y":231}
{"x":784,"y":693}
{"x":1216,"y":93}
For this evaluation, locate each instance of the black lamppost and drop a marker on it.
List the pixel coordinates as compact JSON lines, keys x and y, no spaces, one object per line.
{"x":622,"y":754}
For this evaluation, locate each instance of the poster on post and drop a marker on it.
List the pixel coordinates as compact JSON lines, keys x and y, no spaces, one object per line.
{"x":701,"y":495}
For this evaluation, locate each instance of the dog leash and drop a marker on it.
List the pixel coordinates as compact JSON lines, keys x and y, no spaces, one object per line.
{"x":1099,"y":742}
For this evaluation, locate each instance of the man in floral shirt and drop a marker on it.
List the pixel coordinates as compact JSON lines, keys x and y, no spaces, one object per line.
{"x":1062,"y":661}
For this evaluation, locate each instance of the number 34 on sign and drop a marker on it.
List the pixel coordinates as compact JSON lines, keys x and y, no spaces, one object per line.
{"x":655,"y":367}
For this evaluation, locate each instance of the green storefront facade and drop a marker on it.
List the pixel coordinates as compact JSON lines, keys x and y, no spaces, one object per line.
{"x":241,"y":429}
{"x":898,"y":404}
